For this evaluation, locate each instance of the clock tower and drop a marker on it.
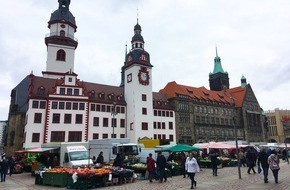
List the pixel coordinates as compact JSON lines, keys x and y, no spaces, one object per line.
{"x":137,"y":82}
{"x":60,"y":42}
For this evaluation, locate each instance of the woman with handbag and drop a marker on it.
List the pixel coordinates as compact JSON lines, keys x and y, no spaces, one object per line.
{"x":274,"y":162}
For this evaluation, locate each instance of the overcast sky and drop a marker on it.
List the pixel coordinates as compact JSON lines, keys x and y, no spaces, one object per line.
{"x":252,"y":38}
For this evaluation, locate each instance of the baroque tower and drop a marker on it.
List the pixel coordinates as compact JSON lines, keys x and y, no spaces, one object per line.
{"x":137,"y":80}
{"x":61,"y":43}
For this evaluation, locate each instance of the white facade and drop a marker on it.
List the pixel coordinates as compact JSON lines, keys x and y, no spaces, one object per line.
{"x":62,"y":109}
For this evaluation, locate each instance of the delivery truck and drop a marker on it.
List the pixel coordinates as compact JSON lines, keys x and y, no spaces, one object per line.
{"x":71,"y":153}
{"x":112,"y":147}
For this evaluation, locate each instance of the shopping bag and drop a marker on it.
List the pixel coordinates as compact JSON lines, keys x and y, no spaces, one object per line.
{"x":259,"y":169}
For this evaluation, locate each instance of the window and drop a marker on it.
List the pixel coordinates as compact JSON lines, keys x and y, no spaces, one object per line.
{"x":103,"y":108}
{"x":95,"y":135}
{"x":144,"y":97}
{"x":60,"y":55}
{"x":144,"y":126}
{"x":122,"y":136}
{"x":35,"y":137}
{"x":62,"y":33}
{"x":75,"y":136}
{"x":154,"y":125}
{"x":82,"y":106}
{"x":98,"y":107}
{"x":122,"y":123}
{"x":69,"y":91}
{"x":37,"y":117}
{"x":41,"y":91}
{"x":96,"y":122}
{"x":75,"y":106}
{"x":76,"y":92}
{"x":35,"y":104}
{"x":67,"y":118}
{"x":93,"y":107}
{"x":68,"y":105}
{"x":105,"y":122}
{"x":61,"y":105}
{"x":42,"y":105}
{"x":155,"y":112}
{"x":170,"y":125}
{"x":113,"y":136}
{"x":109,"y":109}
{"x":54,"y":105}
{"x":55,"y":118}
{"x":79,"y":118}
{"x":57,"y":136}
{"x":171,"y":137}
{"x":62,"y":91}
{"x":70,"y":79}
{"x":105,"y":136}
{"x":144,"y":111}
{"x":115,"y":122}
{"x":122,"y":109}
{"x":163,"y":125}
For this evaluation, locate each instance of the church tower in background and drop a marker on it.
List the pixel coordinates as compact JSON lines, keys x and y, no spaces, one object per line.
{"x":218,"y":79}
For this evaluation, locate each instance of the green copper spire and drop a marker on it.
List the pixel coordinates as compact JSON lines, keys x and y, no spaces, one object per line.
{"x":217,"y":64}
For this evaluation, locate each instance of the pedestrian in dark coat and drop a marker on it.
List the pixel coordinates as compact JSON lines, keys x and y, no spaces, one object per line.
{"x":100,"y":159}
{"x":161,"y":165}
{"x":263,"y":161}
{"x":250,"y":157}
{"x":11,"y":164}
{"x":214,"y":161}
{"x":150,"y":162}
{"x":118,"y":161}
{"x":183,"y":160}
{"x":4,"y":168}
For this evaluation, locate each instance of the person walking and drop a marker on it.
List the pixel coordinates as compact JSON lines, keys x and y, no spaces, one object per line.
{"x":183,"y":160}
{"x":4,"y":168}
{"x":11,"y":163}
{"x":263,"y":161}
{"x":250,"y":157}
{"x":242,"y":158}
{"x":214,"y":161}
{"x":192,"y":167}
{"x":273,"y":161}
{"x":161,"y":165}
{"x":150,"y":162}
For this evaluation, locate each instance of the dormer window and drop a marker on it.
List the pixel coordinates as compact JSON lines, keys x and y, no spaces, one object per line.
{"x":60,"y":55}
{"x":41,"y":91}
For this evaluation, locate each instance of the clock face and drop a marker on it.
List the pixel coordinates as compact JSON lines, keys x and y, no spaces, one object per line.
{"x":129,"y":77}
{"x":143,"y":76}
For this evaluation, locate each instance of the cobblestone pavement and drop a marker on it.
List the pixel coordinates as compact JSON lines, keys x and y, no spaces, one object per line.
{"x":227,"y":179}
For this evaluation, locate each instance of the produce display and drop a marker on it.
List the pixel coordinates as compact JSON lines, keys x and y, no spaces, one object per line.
{"x":81,"y":172}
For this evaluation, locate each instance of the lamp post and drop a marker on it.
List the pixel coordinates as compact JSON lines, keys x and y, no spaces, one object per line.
{"x":236,"y":138}
{"x":114,"y":113}
{"x":284,"y":121}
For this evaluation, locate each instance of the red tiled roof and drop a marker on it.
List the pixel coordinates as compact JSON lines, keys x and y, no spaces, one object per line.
{"x":172,"y":90}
